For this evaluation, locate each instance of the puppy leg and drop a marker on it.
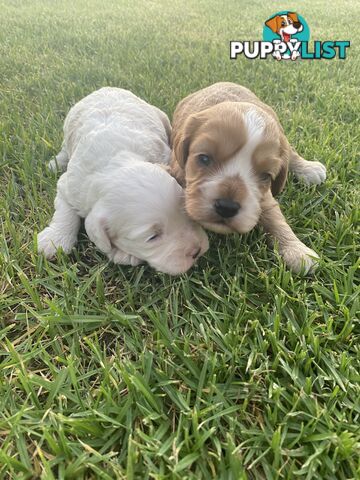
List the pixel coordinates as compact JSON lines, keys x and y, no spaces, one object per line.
{"x":62,"y":231}
{"x":295,"y":254}
{"x":118,"y":256}
{"x":308,"y":172}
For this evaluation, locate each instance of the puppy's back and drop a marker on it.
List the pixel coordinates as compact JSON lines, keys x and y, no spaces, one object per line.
{"x":105,"y":132}
{"x":116,"y":108}
{"x":212,"y":95}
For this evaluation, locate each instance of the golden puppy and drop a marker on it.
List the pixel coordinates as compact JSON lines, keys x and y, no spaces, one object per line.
{"x":231,"y":154}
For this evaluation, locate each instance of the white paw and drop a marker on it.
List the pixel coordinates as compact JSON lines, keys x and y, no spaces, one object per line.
{"x":295,"y":54}
{"x":312,"y":172}
{"x":59,"y":162}
{"x":53,"y":166}
{"x":50,"y":240}
{"x":299,"y":257}
{"x":122,"y":258}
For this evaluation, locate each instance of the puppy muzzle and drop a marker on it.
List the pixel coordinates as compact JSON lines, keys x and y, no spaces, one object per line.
{"x":226,"y":208}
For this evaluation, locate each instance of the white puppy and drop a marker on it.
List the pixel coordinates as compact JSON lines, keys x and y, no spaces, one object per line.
{"x":133,"y":209}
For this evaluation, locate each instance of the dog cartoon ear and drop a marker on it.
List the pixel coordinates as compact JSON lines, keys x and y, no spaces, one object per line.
{"x":272,"y":23}
{"x":293,"y":17}
{"x":279,"y":181}
{"x":96,"y":228}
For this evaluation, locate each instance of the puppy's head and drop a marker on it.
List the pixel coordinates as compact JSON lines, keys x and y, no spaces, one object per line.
{"x":231,"y":154}
{"x":143,"y":214}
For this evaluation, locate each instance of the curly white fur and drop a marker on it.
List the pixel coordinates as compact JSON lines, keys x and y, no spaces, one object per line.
{"x":133,"y":209}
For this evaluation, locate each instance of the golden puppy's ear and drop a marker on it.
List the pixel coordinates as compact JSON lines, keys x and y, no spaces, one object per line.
{"x":278,"y":183}
{"x":182,"y":139}
{"x":181,"y":144}
{"x":176,"y":171}
{"x":272,"y":23}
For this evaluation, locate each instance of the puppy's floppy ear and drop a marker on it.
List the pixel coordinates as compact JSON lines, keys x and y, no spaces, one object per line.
{"x":293,"y":17}
{"x":96,"y":228}
{"x":182,"y":139}
{"x":279,"y":182}
{"x":176,"y":171}
{"x":272,"y":23}
{"x":181,"y":143}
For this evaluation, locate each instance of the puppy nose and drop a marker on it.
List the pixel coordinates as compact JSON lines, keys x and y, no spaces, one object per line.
{"x":226,"y":208}
{"x":297,"y":24}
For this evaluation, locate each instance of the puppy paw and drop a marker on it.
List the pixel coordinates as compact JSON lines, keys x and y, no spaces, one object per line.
{"x":53,"y":166}
{"x":121,"y":258}
{"x":50,"y":240}
{"x":312,"y":173}
{"x":299,"y":257}
{"x":59,"y":162}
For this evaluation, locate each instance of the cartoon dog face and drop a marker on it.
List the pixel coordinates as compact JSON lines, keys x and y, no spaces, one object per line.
{"x":285,"y":25}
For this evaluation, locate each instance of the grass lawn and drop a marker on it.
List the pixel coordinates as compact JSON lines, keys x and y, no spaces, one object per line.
{"x":236,"y":370}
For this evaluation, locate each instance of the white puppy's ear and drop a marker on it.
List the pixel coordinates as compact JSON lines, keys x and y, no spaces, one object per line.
{"x":97,"y":229}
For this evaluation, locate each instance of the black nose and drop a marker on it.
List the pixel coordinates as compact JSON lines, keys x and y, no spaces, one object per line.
{"x":226,"y":208}
{"x":297,"y":24}
{"x":196,"y":254}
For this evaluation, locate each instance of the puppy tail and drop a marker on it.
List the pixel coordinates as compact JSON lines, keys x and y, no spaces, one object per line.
{"x":60,"y":161}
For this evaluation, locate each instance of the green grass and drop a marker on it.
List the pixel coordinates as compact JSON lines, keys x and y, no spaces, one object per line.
{"x":236,"y":370}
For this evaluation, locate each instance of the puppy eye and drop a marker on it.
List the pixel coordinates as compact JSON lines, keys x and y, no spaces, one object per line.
{"x":204,"y":159}
{"x":283,"y":24}
{"x":153,"y":237}
{"x":265,"y":177}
